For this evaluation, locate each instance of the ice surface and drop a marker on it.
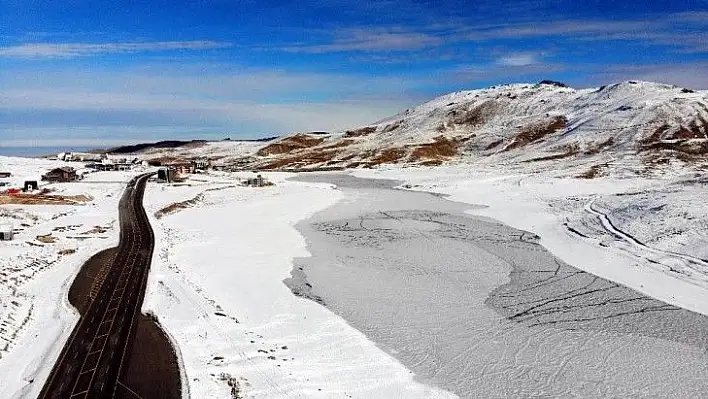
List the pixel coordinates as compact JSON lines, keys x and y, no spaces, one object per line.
{"x":483,"y":310}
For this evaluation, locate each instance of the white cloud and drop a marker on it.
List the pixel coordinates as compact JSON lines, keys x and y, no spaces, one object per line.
{"x":685,"y":31}
{"x":694,"y":76}
{"x":311,"y":115}
{"x":158,"y":103}
{"x":372,"y":40}
{"x":59,"y":50}
{"x":518,"y":59}
{"x":508,"y":72}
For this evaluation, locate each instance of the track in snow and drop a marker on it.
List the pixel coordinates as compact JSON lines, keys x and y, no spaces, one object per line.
{"x":681,"y":261}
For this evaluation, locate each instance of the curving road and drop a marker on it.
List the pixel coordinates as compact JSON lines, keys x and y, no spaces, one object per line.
{"x":92,"y":359}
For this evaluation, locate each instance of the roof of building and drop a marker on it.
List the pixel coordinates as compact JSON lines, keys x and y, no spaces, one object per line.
{"x":67,"y":169}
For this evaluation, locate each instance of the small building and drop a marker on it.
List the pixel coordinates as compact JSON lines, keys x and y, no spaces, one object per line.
{"x":5,"y":175}
{"x":182,"y":168}
{"x":63,"y":174}
{"x":258,"y":181}
{"x":80,"y":156}
{"x":6,"y":232}
{"x":94,"y":166}
{"x":30,"y":185}
{"x":165,"y":174}
{"x":202,"y":164}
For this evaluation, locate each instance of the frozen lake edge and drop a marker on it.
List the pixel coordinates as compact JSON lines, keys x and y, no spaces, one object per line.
{"x":550,"y":329}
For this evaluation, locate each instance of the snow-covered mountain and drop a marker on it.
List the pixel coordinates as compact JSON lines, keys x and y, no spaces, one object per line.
{"x":650,"y":122}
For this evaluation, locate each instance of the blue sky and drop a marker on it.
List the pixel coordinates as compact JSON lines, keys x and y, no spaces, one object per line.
{"x":105,"y":73}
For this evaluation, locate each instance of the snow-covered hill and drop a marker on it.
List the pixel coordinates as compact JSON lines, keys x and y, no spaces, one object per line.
{"x":646,"y":124}
{"x":519,"y":122}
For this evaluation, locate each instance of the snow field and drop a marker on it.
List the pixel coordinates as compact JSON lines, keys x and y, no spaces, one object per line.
{"x":547,"y":205}
{"x":217,"y":288}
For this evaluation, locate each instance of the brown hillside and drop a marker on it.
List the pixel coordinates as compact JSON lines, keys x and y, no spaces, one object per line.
{"x":537,"y":132}
{"x":290,"y":144}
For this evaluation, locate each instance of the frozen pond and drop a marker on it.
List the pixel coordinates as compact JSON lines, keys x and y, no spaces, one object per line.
{"x":480,"y":309}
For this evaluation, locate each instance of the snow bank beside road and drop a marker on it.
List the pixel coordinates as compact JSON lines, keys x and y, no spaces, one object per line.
{"x":217,"y":287}
{"x":548,"y":206}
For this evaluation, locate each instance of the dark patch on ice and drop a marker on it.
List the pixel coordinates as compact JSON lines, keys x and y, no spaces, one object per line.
{"x":297,"y":282}
{"x":560,"y":296}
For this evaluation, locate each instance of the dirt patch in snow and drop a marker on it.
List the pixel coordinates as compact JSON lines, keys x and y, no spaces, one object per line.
{"x":39,"y":199}
{"x":178,"y":206}
{"x":364,"y":131}
{"x":599,"y":147}
{"x":303,"y":159}
{"x":290,"y":144}
{"x":96,"y":230}
{"x":440,"y":150}
{"x":391,"y":127}
{"x":690,"y":132}
{"x":47,"y":239}
{"x":594,"y":172}
{"x":389,"y":155}
{"x":687,"y":143}
{"x":339,"y":144}
{"x":432,"y":162}
{"x":473,"y":117}
{"x":536,"y":132}
{"x":494,"y":144}
{"x":688,"y":147}
{"x":569,"y":152}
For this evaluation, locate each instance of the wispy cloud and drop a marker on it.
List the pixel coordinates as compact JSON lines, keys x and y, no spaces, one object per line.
{"x":501,"y":71}
{"x":684,"y":31}
{"x":66,"y":50}
{"x":693,"y":75}
{"x":162,"y":101}
{"x":371,"y":40}
{"x":519,"y":59}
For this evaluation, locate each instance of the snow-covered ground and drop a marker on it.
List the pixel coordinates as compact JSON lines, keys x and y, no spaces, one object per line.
{"x":216,"y":286}
{"x":35,"y":316}
{"x":648,"y":234}
{"x":219,"y":152}
{"x":216,"y":283}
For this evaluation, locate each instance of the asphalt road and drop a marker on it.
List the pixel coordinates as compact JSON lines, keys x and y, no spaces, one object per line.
{"x":92,"y":359}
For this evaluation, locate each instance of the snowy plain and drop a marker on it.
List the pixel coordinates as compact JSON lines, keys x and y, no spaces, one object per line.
{"x":216,"y":286}
{"x":217,"y":289}
{"x":216,"y":283}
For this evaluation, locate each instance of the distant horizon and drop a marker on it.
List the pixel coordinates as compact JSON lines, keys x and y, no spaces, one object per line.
{"x":133,"y":72}
{"x":36,"y":152}
{"x":92,"y":143}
